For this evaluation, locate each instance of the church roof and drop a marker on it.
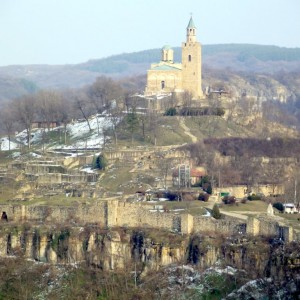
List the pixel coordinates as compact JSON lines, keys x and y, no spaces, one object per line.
{"x":191,"y":24}
{"x":166,"y":68}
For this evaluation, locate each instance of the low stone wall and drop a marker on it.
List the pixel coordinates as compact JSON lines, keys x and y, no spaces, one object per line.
{"x":57,"y":178}
{"x":76,"y":161}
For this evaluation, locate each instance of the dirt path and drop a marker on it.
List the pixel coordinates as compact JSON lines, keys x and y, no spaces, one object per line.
{"x":187,"y":130}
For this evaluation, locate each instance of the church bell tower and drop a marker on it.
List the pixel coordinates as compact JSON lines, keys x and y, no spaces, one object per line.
{"x":192,"y":62}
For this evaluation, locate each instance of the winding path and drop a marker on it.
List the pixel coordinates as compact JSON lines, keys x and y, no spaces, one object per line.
{"x":187,"y":130}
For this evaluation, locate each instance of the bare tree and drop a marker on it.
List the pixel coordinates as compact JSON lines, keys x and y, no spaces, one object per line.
{"x":7,"y":119}
{"x":186,"y":99}
{"x":25,"y":109}
{"x":82,"y":104}
{"x":102,"y":92}
{"x":115,"y":116}
{"x":153,"y":120}
{"x":64,"y":114}
{"x":48,"y":105}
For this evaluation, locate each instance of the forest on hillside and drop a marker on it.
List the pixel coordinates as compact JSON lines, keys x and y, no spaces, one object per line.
{"x":242,"y":52}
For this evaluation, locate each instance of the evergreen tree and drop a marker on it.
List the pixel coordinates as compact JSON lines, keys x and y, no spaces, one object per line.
{"x":216,"y":212}
{"x":132,"y":121}
{"x":99,"y":162}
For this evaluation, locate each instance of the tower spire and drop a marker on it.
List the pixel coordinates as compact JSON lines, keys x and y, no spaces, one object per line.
{"x":191,"y":31}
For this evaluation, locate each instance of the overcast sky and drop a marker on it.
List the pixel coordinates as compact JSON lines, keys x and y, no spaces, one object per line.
{"x":74,"y":31}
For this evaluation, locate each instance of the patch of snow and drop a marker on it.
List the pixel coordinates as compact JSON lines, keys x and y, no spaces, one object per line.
{"x":163,"y":199}
{"x":88,"y":170}
{"x":207,"y":214}
{"x":227,"y":270}
{"x":5,"y":144}
{"x":16,"y":154}
{"x":35,"y":155}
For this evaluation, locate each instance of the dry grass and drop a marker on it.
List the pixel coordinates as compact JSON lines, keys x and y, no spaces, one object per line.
{"x":291,"y":219}
{"x":249,"y":206}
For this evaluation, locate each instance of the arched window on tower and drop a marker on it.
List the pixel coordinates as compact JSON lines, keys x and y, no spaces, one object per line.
{"x":190,"y":57}
{"x":162,"y":84}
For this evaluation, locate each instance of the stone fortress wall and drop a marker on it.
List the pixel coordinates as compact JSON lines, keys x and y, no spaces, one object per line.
{"x":115,"y":213}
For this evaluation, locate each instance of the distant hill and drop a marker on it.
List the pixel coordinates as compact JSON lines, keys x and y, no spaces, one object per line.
{"x":242,"y":57}
{"x":15,"y":87}
{"x":236,"y":57}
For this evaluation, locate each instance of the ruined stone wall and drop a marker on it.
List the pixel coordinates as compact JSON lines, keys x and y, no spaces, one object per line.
{"x":57,"y":178}
{"x":268,"y":227}
{"x":114,"y":213}
{"x":227,"y":225}
{"x":78,"y":161}
{"x":240,"y":191}
{"x":44,"y":168}
{"x":135,"y":215}
{"x":126,"y":154}
{"x":82,"y":214}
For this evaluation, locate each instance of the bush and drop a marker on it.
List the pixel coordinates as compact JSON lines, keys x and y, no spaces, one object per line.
{"x":216,"y":212}
{"x":254,"y":197}
{"x":279,"y":206}
{"x":171,"y":112}
{"x":203,"y":197}
{"x":244,"y":200}
{"x":229,"y":199}
{"x":202,"y":111}
{"x":172,"y":196}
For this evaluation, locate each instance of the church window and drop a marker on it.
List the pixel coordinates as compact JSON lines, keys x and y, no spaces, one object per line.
{"x":190,"y":57}
{"x":162,"y":84}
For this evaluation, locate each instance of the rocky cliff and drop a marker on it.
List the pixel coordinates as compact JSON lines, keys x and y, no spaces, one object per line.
{"x":111,"y":249}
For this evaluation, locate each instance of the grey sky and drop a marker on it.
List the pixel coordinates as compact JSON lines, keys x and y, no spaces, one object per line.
{"x":74,"y":31}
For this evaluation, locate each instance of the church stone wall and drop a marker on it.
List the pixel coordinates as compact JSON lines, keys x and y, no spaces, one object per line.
{"x":172,"y":81}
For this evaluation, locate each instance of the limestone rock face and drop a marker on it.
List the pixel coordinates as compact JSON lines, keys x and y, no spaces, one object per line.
{"x":3,"y":245}
{"x":120,"y":249}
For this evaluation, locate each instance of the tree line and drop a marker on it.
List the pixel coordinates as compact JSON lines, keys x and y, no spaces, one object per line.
{"x":105,"y":97}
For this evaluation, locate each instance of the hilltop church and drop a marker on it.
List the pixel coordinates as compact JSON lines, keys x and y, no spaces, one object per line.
{"x":168,"y":76}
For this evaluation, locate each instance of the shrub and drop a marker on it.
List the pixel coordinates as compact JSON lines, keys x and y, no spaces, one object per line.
{"x":188,"y":197}
{"x":216,"y":212}
{"x":279,"y":206}
{"x":229,"y":199}
{"x":244,"y":200}
{"x":254,"y":197}
{"x":171,"y":112}
{"x":202,"y":111}
{"x":203,"y":197}
{"x":171,"y":195}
